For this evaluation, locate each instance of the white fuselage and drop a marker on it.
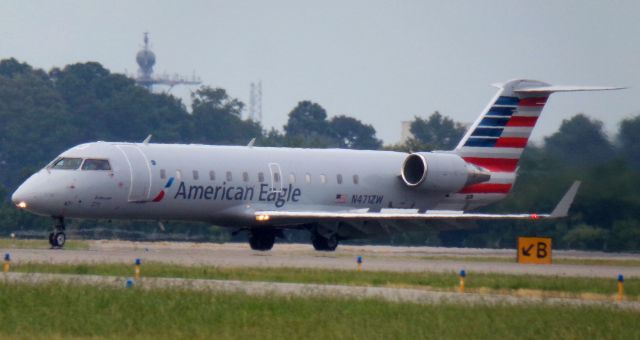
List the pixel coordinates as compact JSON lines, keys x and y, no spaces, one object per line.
{"x":224,"y":184}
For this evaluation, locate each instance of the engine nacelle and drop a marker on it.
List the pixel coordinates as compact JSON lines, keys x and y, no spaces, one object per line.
{"x":441,"y":172}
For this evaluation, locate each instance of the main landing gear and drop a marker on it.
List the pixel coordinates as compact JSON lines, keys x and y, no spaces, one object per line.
{"x":262,"y":239}
{"x":324,"y":242}
{"x":57,"y":238}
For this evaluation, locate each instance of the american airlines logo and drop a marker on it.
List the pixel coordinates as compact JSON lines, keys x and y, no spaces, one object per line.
{"x":238,"y":193}
{"x":161,"y":194}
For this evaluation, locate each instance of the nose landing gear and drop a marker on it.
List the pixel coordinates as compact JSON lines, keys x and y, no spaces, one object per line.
{"x":57,"y":237}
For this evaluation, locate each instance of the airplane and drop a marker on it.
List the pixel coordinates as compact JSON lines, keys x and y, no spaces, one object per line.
{"x":335,"y":194}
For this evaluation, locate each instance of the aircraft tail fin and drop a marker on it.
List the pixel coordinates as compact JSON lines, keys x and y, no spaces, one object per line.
{"x":495,"y":141}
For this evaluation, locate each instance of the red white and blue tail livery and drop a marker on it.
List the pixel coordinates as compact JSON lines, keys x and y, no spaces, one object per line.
{"x":496,"y":139}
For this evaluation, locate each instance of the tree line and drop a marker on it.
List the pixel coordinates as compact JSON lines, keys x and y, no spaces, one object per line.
{"x":43,"y":113}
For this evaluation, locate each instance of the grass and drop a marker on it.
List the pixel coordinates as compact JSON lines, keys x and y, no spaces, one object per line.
{"x":7,"y":243}
{"x":55,"y":310}
{"x":483,"y":282}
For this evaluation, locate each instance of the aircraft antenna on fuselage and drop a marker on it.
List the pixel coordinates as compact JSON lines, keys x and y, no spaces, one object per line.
{"x":252,"y":142}
{"x":146,"y":140}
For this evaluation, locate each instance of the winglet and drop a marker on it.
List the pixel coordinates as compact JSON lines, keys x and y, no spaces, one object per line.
{"x":562,"y":209}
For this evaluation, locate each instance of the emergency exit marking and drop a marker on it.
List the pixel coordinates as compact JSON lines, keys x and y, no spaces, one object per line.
{"x":536,"y":250}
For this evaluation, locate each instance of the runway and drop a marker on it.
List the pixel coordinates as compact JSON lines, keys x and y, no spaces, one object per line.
{"x":375,"y":258}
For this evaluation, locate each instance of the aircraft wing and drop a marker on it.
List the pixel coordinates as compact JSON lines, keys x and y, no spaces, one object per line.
{"x":561,"y":210}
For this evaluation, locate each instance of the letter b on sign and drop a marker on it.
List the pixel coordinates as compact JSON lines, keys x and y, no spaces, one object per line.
{"x":536,"y":250}
{"x":542,"y":250}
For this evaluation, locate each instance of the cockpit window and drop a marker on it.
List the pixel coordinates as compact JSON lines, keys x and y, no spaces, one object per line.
{"x":67,"y":163}
{"x":96,"y":164}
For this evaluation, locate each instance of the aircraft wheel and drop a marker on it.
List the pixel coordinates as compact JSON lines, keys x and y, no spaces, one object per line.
{"x":325,"y":244}
{"x":332,"y":242}
{"x":262,"y":240}
{"x":59,"y":239}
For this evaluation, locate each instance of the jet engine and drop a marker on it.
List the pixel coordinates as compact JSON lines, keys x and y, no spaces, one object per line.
{"x":441,"y":172}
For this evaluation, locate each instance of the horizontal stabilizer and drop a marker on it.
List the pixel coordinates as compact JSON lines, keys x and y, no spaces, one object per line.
{"x":564,"y":88}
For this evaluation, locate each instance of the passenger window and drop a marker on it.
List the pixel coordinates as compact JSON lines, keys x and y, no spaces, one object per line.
{"x":292,"y":178}
{"x":339,"y":178}
{"x":67,"y":163}
{"x":245,"y":176}
{"x":307,"y":178}
{"x":163,"y":174}
{"x":260,"y":177}
{"x":96,"y":164}
{"x":323,"y":179}
{"x":229,"y":176}
{"x":196,"y":175}
{"x":212,"y":175}
{"x":276,"y":177}
{"x":356,"y":179}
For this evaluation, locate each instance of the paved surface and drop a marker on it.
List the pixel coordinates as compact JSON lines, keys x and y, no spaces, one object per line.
{"x":377,"y":258}
{"x":297,"y":289}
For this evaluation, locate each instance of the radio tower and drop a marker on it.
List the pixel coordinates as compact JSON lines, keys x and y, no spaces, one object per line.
{"x":146,"y":59}
{"x":255,"y":102}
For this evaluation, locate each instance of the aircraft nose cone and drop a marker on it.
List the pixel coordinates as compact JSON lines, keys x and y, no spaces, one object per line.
{"x":19,"y":198}
{"x":15,"y":197}
{"x":38,"y":194}
{"x":30,"y":196}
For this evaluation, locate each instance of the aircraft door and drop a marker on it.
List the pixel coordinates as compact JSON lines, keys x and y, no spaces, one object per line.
{"x":276,"y":177}
{"x":140,"y":172}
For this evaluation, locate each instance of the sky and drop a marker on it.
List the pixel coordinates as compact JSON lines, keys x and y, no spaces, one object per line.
{"x":382,"y":62}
